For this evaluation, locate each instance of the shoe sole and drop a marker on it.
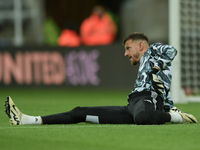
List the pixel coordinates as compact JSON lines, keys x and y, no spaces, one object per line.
{"x":7,"y":106}
{"x":13,"y":120}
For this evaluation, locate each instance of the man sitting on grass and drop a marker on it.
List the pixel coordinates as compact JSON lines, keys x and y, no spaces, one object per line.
{"x":150,"y":101}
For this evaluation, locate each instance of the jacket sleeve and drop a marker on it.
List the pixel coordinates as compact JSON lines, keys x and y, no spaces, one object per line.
{"x":162,"y":54}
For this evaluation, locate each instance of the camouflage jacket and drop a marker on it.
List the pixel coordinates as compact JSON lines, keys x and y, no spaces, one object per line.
{"x":161,"y":56}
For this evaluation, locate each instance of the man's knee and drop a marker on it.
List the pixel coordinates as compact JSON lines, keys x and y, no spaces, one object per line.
{"x":78,"y":114}
{"x":76,"y":109}
{"x":79,"y":111}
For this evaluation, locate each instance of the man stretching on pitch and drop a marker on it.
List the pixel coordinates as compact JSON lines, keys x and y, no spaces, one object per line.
{"x":149,"y":103}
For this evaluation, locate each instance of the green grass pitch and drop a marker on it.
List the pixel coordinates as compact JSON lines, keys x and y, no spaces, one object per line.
{"x":84,"y":136}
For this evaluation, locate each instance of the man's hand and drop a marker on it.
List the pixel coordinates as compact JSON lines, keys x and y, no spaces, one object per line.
{"x":157,"y":84}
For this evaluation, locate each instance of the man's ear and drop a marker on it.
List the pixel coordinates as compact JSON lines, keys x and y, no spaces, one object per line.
{"x":141,"y":45}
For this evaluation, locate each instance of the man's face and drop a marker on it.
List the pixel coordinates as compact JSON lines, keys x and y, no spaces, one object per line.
{"x":132,"y":51}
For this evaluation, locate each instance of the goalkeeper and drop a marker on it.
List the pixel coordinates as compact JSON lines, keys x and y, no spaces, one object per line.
{"x":150,"y":101}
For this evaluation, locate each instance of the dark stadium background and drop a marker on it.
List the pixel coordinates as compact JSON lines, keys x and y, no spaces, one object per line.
{"x":114,"y":69}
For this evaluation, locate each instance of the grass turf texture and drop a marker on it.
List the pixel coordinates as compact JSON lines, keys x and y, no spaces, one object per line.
{"x":85,"y":136}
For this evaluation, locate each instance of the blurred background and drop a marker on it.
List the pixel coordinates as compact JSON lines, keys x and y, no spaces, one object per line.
{"x":22,"y":22}
{"x":79,"y":43}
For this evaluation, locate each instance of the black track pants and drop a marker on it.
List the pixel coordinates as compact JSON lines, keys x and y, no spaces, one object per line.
{"x":110,"y":115}
{"x":141,"y":110}
{"x":101,"y":114}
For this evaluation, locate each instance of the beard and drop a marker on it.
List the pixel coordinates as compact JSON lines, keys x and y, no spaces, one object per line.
{"x":134,"y":63}
{"x":135,"y":59}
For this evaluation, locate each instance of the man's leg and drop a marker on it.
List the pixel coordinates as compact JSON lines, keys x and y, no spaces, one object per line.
{"x":101,"y":115}
{"x":148,"y":111}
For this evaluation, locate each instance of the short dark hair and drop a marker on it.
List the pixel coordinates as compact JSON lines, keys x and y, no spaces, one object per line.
{"x":136,"y":36}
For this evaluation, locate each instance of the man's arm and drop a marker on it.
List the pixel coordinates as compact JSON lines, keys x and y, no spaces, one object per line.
{"x":164,"y":55}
